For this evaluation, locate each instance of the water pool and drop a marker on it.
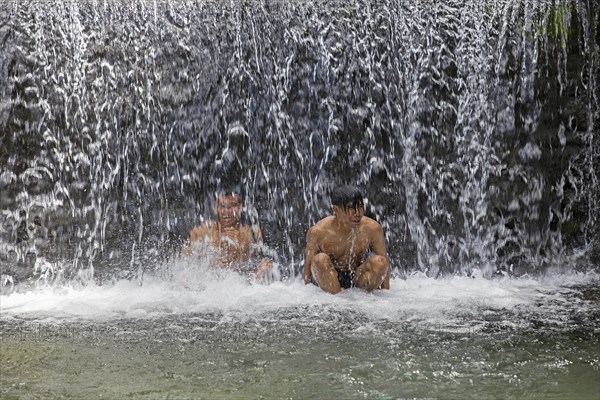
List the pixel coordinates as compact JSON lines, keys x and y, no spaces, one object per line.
{"x":221,"y":338}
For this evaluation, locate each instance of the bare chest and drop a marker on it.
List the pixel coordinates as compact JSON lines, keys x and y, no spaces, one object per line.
{"x":346,"y":251}
{"x":234,"y":244}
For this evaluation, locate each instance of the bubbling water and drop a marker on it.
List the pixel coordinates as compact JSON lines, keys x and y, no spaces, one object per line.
{"x":470,"y":125}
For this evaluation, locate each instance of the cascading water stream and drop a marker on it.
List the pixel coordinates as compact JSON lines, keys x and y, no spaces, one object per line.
{"x":472,"y":127}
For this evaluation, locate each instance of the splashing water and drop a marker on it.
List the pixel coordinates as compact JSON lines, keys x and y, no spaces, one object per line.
{"x":470,"y":125}
{"x":202,"y":334}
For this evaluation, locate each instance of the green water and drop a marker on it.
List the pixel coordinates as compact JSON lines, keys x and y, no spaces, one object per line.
{"x":209,"y":357}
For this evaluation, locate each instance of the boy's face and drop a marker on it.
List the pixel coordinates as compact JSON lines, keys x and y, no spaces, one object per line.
{"x":350,"y":214}
{"x":228,"y":210}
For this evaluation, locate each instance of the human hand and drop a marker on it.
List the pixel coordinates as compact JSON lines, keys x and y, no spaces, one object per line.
{"x":264,"y":270}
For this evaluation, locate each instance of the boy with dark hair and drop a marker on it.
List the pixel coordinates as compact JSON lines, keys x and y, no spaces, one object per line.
{"x":347,"y":249}
{"x":230,"y":242}
{"x":344,"y":195}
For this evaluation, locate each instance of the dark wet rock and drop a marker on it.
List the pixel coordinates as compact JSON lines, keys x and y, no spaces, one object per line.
{"x":473,"y":154}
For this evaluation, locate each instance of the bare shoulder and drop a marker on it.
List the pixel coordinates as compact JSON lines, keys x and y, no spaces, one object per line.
{"x":319,"y":229}
{"x":253,"y":232}
{"x":371,"y":225}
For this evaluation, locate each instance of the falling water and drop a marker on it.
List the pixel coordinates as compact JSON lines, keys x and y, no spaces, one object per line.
{"x":472,"y":127}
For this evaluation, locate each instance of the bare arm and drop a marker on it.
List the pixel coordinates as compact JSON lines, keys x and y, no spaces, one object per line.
{"x":312,"y":249}
{"x":257,"y":234}
{"x":265,"y":266}
{"x":197,"y":233}
{"x":380,"y":250}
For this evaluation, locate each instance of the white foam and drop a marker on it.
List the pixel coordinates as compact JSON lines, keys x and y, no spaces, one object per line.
{"x":197,"y":290}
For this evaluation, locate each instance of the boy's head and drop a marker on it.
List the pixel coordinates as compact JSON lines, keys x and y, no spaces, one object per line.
{"x":347,"y":197}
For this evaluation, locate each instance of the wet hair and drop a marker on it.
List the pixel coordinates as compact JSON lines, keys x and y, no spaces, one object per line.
{"x":219,"y":193}
{"x":226,"y":189}
{"x":341,"y":196}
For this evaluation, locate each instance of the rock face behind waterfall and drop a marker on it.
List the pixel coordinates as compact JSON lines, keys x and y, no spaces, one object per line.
{"x":472,"y":127}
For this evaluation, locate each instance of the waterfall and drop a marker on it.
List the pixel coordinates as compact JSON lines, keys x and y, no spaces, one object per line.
{"x":471,"y":126}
